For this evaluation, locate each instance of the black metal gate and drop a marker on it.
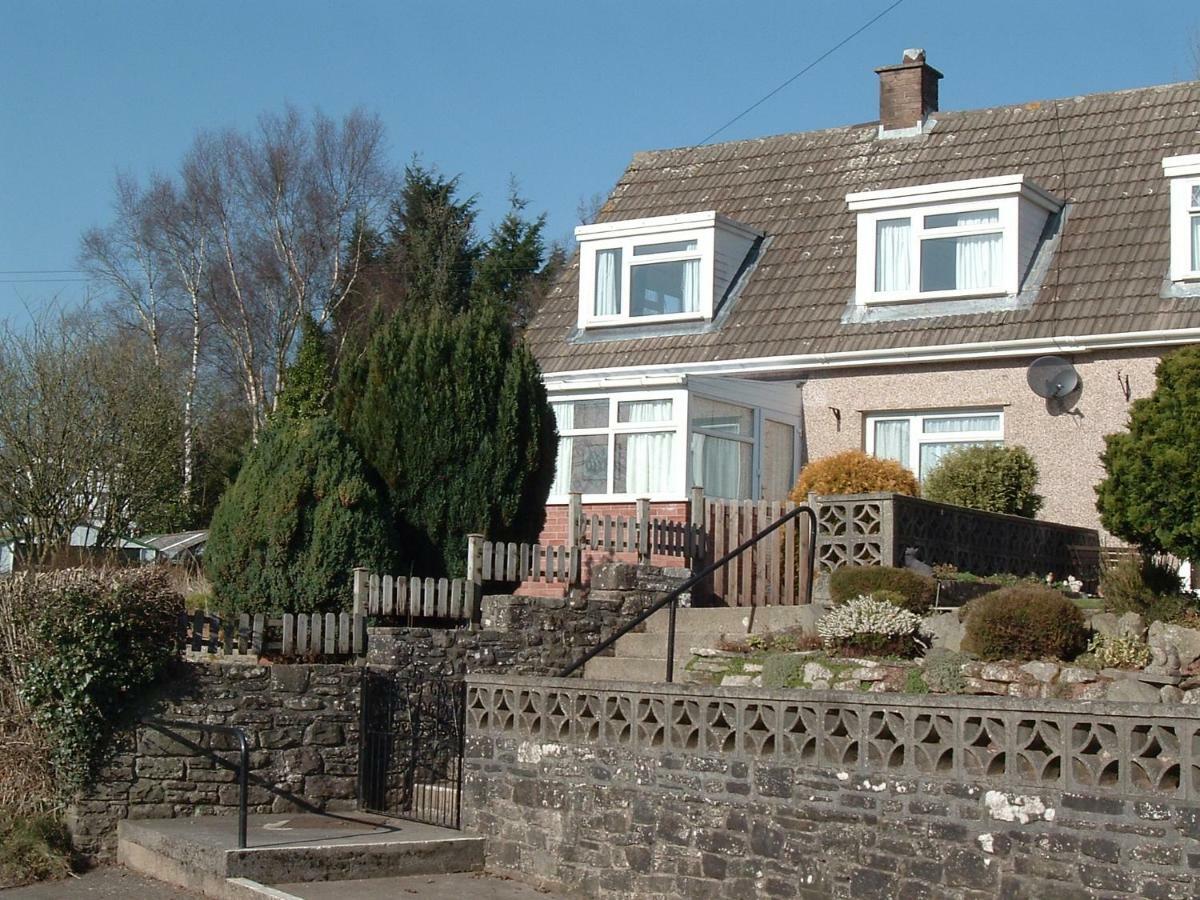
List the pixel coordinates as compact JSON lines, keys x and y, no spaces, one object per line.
{"x":410,"y":762}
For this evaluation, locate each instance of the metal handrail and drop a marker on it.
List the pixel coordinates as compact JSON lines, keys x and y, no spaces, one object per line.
{"x":165,"y":726}
{"x":672,"y":599}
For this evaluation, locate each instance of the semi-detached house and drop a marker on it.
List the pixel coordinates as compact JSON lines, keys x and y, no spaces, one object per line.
{"x":741,"y":308}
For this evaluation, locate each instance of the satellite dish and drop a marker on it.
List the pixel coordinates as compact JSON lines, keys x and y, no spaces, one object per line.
{"x":1052,"y":377}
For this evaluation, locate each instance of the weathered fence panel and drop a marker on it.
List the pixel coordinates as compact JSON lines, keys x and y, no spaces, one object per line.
{"x":290,"y":635}
{"x":387,"y":595}
{"x":773,"y":572}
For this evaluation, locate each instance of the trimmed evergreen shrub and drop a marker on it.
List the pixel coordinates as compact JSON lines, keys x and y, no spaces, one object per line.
{"x":1149,"y":588}
{"x":452,"y":414}
{"x":1151,"y":495}
{"x":853,"y":472}
{"x":100,"y":639}
{"x":1026,"y":621}
{"x":994,"y":479}
{"x":916,"y":591}
{"x":303,"y":512}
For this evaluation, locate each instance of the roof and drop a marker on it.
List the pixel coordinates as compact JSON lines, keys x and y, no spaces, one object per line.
{"x":1101,"y":153}
{"x":173,"y":544}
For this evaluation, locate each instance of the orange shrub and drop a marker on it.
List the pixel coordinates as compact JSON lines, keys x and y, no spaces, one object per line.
{"x":853,"y":472}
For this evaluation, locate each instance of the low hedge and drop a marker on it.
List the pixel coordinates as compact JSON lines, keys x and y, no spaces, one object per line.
{"x":1026,"y":621}
{"x":917,"y":591}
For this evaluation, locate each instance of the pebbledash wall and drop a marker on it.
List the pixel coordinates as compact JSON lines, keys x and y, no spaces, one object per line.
{"x":555,"y":532}
{"x":302,"y":722}
{"x":622,"y":790}
{"x":1065,"y":439}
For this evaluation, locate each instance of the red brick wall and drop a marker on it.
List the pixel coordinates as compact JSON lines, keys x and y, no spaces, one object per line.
{"x":555,"y":532}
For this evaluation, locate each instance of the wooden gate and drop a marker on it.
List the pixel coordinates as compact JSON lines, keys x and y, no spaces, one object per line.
{"x":774,"y":572}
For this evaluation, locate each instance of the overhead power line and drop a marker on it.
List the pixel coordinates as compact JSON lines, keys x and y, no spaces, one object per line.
{"x":847,"y":39}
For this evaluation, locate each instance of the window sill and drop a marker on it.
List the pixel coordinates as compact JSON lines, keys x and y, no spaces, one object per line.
{"x":897,"y":299}
{"x":643,"y":320}
{"x":599,"y":499}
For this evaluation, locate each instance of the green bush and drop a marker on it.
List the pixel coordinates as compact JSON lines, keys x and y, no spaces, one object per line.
{"x":100,"y":640}
{"x":867,"y":626}
{"x":33,"y":848}
{"x":853,"y":472}
{"x":994,"y":479}
{"x":1119,"y":652}
{"x":303,"y":512}
{"x":1151,"y":495}
{"x":783,"y":670}
{"x":917,"y":592}
{"x":1024,"y":622}
{"x":1149,"y":588}
{"x":452,"y":413}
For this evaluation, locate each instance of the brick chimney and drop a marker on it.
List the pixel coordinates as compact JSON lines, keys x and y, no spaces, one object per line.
{"x":908,"y":92}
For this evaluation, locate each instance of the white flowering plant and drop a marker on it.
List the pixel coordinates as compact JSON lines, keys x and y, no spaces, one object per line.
{"x":871,"y":624}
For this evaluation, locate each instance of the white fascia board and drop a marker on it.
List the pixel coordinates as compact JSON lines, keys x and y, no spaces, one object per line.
{"x":799,"y":363}
{"x":1181,"y":166}
{"x":952,"y":191}
{"x":658,"y":225}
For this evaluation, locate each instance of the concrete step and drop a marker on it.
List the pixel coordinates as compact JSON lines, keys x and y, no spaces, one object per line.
{"x":625,"y":668}
{"x":653,"y":645}
{"x":735,"y":620}
{"x":201,"y":852}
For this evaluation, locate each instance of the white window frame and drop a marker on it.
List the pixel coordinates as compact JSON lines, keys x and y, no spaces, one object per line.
{"x":624,"y":236}
{"x":1005,"y":194}
{"x":677,"y":424}
{"x":1183,"y":173}
{"x":916,"y":432}
{"x":754,"y":438}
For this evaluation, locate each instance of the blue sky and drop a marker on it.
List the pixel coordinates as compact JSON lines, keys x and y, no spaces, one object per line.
{"x":556,"y":94}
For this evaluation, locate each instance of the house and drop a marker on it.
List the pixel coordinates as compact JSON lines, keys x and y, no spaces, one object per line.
{"x":81,"y":545}
{"x":741,"y":308}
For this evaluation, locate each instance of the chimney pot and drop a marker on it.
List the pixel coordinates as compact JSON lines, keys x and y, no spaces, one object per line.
{"x":908,"y":92}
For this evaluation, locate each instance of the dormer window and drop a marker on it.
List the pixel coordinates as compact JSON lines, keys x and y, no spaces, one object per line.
{"x":663,"y":269}
{"x":1184,"y":175}
{"x":954,"y":240}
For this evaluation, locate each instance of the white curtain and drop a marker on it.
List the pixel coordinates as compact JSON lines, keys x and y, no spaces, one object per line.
{"x":892,"y":252}
{"x":608,"y":282}
{"x":1196,"y":242}
{"x":564,"y":416}
{"x":720,"y":466}
{"x":958,"y":424}
{"x":691,"y":286}
{"x":932,"y":454}
{"x":646,"y":411}
{"x":647,"y":463}
{"x":977,"y":256}
{"x":891,"y":440}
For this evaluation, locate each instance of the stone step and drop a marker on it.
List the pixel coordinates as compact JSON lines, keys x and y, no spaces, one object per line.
{"x":626,"y":668}
{"x":201,"y":852}
{"x":735,"y":620}
{"x":653,"y":644}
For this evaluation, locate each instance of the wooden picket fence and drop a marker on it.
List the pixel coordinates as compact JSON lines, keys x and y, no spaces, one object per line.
{"x":527,"y":562}
{"x":303,"y":635}
{"x":427,"y":598}
{"x":773,"y":572}
{"x":640,"y":533}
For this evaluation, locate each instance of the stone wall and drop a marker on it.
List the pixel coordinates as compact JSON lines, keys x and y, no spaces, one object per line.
{"x":620,"y":790}
{"x":529,"y":635}
{"x":302,"y":723}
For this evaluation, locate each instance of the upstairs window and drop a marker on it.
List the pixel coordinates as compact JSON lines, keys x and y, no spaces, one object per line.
{"x":1184,"y":175}
{"x":664,"y":269}
{"x":959,"y":239}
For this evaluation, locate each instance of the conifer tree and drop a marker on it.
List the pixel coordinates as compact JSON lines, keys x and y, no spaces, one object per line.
{"x":452,"y":414}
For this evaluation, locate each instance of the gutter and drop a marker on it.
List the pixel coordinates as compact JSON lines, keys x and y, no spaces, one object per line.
{"x":771,"y":365}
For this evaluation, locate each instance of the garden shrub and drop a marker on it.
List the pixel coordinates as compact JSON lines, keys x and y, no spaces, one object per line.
{"x":101,"y":640}
{"x":303,"y":512}
{"x":1144,"y":586}
{"x":1023,"y":622}
{"x":943,"y":671}
{"x":994,"y":479}
{"x":1119,"y":652}
{"x":853,"y":472}
{"x":783,"y":670}
{"x":917,"y":592}
{"x":867,"y":626}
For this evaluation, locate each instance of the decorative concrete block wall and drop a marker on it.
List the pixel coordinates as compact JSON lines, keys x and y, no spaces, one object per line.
{"x":628,"y":790}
